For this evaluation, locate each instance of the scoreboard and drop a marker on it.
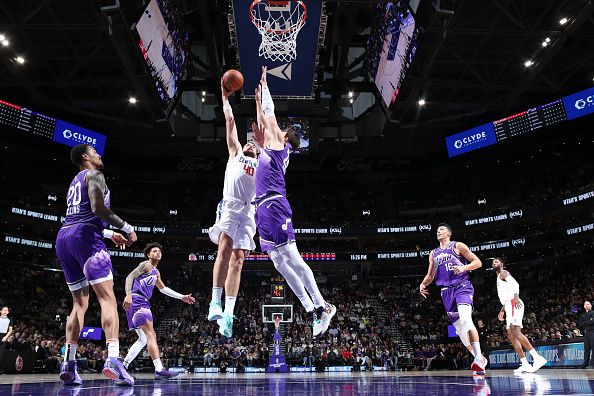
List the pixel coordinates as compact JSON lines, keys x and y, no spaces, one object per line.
{"x":524,"y":122}
{"x":31,"y":122}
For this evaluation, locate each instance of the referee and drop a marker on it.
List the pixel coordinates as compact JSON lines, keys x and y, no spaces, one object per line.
{"x":5,"y":332}
{"x":587,"y":323}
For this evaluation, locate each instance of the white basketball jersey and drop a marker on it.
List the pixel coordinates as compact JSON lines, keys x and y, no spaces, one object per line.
{"x":506,"y":289}
{"x":240,"y":178}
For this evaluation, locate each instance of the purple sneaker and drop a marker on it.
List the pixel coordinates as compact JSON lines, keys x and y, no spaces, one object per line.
{"x":68,"y":373}
{"x":165,"y":374}
{"x":115,"y":370}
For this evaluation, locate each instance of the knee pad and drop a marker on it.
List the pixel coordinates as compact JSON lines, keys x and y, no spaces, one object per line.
{"x":141,"y":336}
{"x":463,"y":334}
{"x":465,"y":312}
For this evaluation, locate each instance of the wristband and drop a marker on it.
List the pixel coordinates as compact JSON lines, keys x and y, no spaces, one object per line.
{"x":267,"y":103}
{"x":171,"y":293}
{"x":107,"y":233}
{"x":127,"y":228}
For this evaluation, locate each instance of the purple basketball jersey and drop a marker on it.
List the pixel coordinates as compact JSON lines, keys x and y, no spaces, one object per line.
{"x":79,"y":205}
{"x":145,"y":283}
{"x":270,"y":178}
{"x":444,"y":261}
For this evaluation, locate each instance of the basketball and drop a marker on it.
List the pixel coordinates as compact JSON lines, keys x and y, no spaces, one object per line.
{"x":233,"y":80}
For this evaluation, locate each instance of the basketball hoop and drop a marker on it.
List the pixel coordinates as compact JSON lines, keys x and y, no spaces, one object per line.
{"x":279,"y":24}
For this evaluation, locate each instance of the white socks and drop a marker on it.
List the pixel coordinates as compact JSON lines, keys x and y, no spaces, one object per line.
{"x":217,"y":293}
{"x":533,"y":353}
{"x":113,"y":348}
{"x":158,"y":365}
{"x":229,"y":304}
{"x":135,"y":348}
{"x":476,"y":348}
{"x":282,"y":263}
{"x":524,"y":361}
{"x":70,"y":351}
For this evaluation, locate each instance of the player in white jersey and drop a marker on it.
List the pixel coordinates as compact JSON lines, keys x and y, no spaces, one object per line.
{"x":512,"y":312}
{"x":235,"y":226}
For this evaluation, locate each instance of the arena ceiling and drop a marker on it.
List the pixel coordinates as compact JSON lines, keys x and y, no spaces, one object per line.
{"x":82,"y":64}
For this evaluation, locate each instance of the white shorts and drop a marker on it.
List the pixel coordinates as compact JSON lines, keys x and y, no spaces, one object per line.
{"x":236,"y":219}
{"x":513,"y":316}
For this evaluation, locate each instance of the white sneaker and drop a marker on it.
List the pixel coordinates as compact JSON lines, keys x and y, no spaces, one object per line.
{"x":479,"y":364}
{"x":321,"y":325}
{"x":524,"y":368}
{"x":215,"y":311}
{"x":539,"y":361}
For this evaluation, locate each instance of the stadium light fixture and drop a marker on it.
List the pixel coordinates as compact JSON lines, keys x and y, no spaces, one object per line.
{"x":528,"y":63}
{"x":203,"y":99}
{"x":351,"y":100}
{"x":2,"y":37}
{"x":5,"y":43}
{"x":350,"y":94}
{"x":544,"y":43}
{"x":563,"y":21}
{"x":132,"y":100}
{"x":20,"y":59}
{"x":203,"y":93}
{"x":421,"y":102}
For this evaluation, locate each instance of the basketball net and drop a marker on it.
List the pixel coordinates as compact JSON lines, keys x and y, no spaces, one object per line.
{"x":279,"y":26}
{"x":277,"y":321}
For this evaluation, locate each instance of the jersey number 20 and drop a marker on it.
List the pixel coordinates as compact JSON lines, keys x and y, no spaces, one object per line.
{"x":74,"y":196}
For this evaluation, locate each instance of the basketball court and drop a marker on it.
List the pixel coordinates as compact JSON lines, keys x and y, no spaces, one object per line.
{"x":546,"y":382}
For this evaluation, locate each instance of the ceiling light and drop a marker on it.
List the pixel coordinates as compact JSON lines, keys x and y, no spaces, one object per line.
{"x":132,"y":100}
{"x":351,"y":101}
{"x":528,"y":63}
{"x":2,"y":37}
{"x":203,"y":99}
{"x":548,"y":40}
{"x":20,"y":59}
{"x":203,"y":93}
{"x":421,"y":102}
{"x":563,"y":21}
{"x":350,"y":94}
{"x":544,"y":43}
{"x":5,"y":43}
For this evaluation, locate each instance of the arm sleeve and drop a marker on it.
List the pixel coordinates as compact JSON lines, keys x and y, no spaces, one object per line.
{"x":171,"y":293}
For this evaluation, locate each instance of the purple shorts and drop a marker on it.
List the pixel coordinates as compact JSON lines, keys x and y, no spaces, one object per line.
{"x":83,"y":255}
{"x":139,"y":312}
{"x":455,"y":295}
{"x":275,"y":226}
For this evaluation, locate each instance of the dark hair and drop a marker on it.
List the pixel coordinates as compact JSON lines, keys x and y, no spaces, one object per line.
{"x":446,"y":226}
{"x":77,"y":152}
{"x":500,"y":259}
{"x":293,"y":138}
{"x":150,"y":246}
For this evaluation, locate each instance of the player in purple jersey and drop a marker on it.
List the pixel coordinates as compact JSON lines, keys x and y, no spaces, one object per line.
{"x":449,"y":265}
{"x":273,"y":212}
{"x":139,"y":290}
{"x":84,"y":259}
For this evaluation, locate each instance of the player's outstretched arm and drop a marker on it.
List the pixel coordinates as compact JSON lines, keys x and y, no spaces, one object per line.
{"x":474,"y":261}
{"x":276,"y":134}
{"x":231,"y":129}
{"x":428,"y":278}
{"x":258,"y":127}
{"x":188,"y":298}
{"x":96,"y":186}
{"x":142,"y":268}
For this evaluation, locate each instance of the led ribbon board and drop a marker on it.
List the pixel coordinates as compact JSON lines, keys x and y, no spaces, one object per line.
{"x":568,"y":108}
{"x":282,"y":35}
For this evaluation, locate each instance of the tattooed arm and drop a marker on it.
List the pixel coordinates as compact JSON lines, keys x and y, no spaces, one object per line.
{"x":96,"y":186}
{"x":142,"y":268}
